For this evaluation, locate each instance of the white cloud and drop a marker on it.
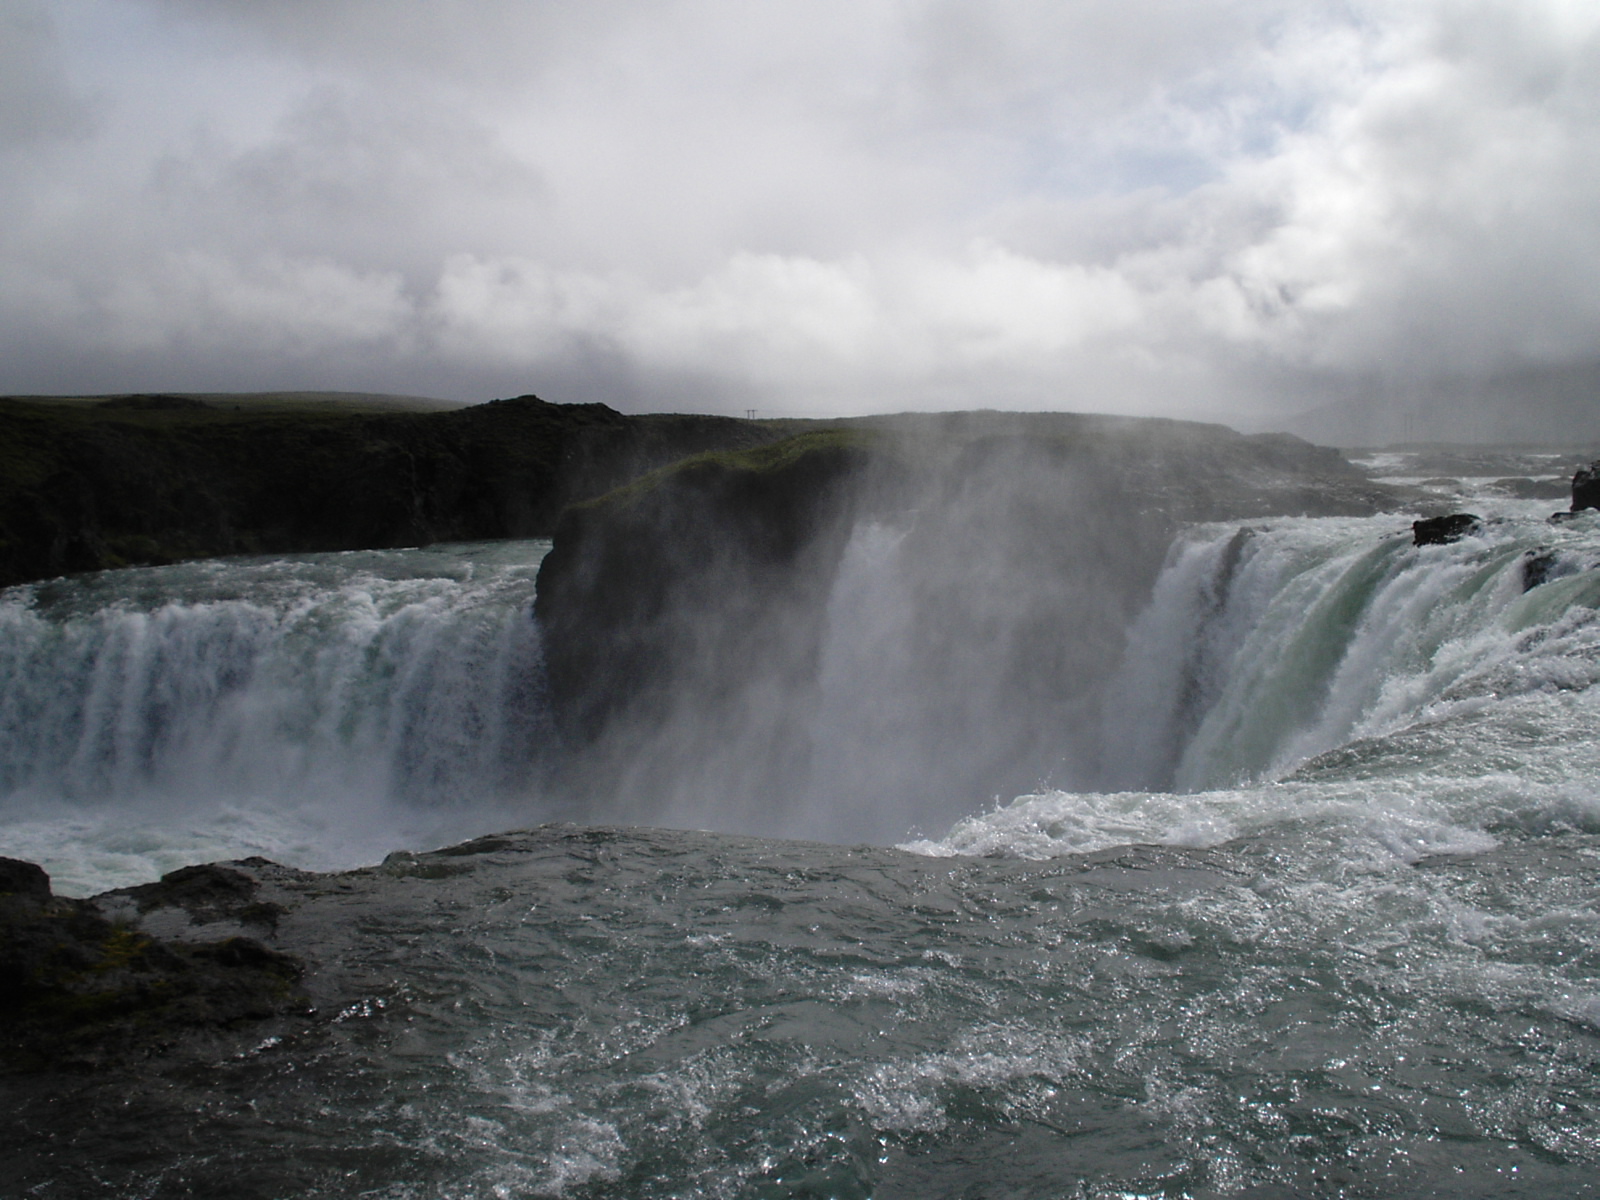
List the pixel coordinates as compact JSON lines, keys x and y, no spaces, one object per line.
{"x":37,"y":100}
{"x":1146,"y":205}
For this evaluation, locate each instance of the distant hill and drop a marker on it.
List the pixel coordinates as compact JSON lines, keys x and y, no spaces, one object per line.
{"x":1557,"y":406}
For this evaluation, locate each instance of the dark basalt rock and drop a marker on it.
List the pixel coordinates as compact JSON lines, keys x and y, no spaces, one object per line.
{"x":209,"y":893}
{"x":154,"y":479}
{"x":1586,"y":487}
{"x":79,"y":989}
{"x":21,"y":878}
{"x":1441,"y":531}
{"x":636,"y":581}
{"x":1539,"y":566}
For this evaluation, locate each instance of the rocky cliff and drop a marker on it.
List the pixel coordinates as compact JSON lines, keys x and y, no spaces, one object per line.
{"x":153,"y":479}
{"x":676,"y":575}
{"x":917,"y":605}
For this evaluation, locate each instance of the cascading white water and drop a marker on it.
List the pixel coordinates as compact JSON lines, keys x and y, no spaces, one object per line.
{"x":1265,"y":646}
{"x":1289,"y":670}
{"x":330,"y":700}
{"x":328,"y":709}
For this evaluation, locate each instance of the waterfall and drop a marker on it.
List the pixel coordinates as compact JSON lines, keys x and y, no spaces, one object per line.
{"x":1264,"y":646}
{"x":360,"y":679}
{"x":329,"y":708}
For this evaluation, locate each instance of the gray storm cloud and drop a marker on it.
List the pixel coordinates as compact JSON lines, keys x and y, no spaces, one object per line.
{"x":1241,"y":210}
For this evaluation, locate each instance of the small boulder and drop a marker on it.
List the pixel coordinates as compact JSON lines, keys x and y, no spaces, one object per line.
{"x":1586,"y":487}
{"x":1441,"y":531}
{"x":1539,"y":566}
{"x":210,"y":892}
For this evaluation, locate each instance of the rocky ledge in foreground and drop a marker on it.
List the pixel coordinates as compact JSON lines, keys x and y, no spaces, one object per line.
{"x":87,"y":982}
{"x":211,"y":960}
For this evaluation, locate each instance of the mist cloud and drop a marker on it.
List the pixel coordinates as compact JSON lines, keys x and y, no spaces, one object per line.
{"x":1238,"y":209}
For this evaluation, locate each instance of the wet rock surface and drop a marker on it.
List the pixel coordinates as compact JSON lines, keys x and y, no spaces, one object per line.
{"x":1539,"y":567}
{"x":84,"y":983}
{"x":1441,"y":531}
{"x":1586,"y":487}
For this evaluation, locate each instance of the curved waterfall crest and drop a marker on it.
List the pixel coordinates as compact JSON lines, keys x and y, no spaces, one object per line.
{"x":326,"y":707}
{"x":344,"y":679}
{"x":1265,"y":645}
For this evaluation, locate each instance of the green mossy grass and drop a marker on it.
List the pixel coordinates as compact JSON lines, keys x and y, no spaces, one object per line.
{"x":769,"y":461}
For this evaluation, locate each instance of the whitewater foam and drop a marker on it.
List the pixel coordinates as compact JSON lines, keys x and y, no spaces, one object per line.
{"x":1420,"y":698}
{"x":321,"y":710}
{"x":325,"y":710}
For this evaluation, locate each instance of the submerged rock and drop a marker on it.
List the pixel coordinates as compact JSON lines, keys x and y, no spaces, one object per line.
{"x":1441,"y":531}
{"x":1538,"y":566}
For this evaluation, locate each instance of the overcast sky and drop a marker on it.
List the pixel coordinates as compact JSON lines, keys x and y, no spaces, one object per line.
{"x":1231,"y":208}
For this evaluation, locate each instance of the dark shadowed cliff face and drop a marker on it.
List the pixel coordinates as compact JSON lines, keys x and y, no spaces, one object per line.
{"x":862,"y":629}
{"x":87,"y":487}
{"x":660,"y":603}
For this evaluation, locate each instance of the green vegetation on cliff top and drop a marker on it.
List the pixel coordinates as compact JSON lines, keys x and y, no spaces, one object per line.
{"x":770,"y":459}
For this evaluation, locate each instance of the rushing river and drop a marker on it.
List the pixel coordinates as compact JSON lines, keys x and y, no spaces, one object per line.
{"x":1330,"y":928}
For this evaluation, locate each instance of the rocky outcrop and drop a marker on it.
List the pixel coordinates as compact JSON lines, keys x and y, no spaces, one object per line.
{"x":1541,"y":566}
{"x":939,"y":596}
{"x":680,"y":575}
{"x":1442,"y":531}
{"x":80,"y":988}
{"x":1586,"y":487}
